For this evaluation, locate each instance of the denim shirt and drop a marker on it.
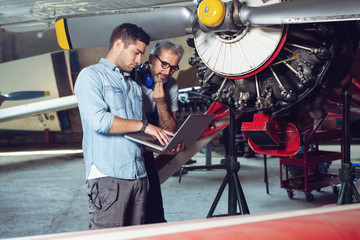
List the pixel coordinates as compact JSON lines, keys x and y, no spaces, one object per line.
{"x":103,"y":92}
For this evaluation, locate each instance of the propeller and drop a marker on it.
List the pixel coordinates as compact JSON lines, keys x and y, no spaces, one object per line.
{"x":301,"y":11}
{"x":23,"y":95}
{"x":94,"y":29}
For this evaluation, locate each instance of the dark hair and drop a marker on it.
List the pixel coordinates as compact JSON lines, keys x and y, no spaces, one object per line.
{"x":128,"y":33}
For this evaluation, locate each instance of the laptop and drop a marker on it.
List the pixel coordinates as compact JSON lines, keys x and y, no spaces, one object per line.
{"x":189,"y":132}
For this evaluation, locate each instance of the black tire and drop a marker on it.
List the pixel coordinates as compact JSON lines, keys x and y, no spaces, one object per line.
{"x":290,"y":193}
{"x":309,"y":196}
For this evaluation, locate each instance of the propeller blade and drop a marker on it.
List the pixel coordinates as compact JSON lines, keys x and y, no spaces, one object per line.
{"x":301,"y":11}
{"x":24,"y":95}
{"x":94,"y":30}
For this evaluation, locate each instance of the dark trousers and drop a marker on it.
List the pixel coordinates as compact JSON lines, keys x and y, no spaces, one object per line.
{"x":116,"y":202}
{"x":154,"y":211}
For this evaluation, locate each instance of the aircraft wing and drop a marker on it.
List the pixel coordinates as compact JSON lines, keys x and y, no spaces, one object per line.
{"x":24,"y":110}
{"x":330,"y":222}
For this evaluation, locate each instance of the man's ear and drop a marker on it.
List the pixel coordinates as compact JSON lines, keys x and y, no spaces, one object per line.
{"x":151,"y":57}
{"x":119,"y":44}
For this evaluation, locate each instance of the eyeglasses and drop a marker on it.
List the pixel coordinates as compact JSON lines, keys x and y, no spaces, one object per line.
{"x":166,"y":65}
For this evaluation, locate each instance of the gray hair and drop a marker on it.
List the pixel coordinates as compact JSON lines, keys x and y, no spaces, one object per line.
{"x":177,"y":49}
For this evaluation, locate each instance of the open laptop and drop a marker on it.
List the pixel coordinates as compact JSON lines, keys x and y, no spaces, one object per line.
{"x":189,"y":132}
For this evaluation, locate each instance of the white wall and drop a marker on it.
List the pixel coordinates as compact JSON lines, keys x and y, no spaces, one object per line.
{"x":33,"y":73}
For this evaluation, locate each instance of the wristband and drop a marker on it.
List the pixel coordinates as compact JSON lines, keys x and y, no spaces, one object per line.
{"x":145,"y":124}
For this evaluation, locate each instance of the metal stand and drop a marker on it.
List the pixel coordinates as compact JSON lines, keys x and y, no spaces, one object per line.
{"x":232,"y":166}
{"x":347,"y":172}
{"x":266,"y":177}
{"x":236,"y":195}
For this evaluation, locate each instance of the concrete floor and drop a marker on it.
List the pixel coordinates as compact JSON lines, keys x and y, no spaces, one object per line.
{"x":45,"y":193}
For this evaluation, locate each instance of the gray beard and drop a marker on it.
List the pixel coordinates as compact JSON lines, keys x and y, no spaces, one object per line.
{"x":157,"y":80}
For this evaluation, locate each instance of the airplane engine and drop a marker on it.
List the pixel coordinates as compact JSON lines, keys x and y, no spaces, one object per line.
{"x":312,"y":59}
{"x":288,"y":88}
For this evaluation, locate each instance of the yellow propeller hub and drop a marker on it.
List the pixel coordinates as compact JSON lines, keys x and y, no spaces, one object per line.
{"x":211,"y":12}
{"x":61,"y":34}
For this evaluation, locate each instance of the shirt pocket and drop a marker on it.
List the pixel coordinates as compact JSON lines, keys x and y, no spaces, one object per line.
{"x":115,"y":99}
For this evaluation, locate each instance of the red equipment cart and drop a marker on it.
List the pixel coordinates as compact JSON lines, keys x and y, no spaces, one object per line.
{"x":310,"y":160}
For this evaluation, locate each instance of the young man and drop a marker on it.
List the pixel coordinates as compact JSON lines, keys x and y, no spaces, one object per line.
{"x":110,"y":105}
{"x":160,"y":100}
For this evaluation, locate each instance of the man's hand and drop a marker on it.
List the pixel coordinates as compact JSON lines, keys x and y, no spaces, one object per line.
{"x":158,"y":133}
{"x":159,"y":94}
{"x":166,"y":120}
{"x":180,"y":147}
{"x":176,"y":150}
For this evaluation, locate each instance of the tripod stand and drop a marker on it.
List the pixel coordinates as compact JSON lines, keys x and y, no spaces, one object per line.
{"x":347,"y":172}
{"x":236,"y":196}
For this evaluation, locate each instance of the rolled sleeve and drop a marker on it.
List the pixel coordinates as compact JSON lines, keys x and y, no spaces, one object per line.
{"x":93,"y":108}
